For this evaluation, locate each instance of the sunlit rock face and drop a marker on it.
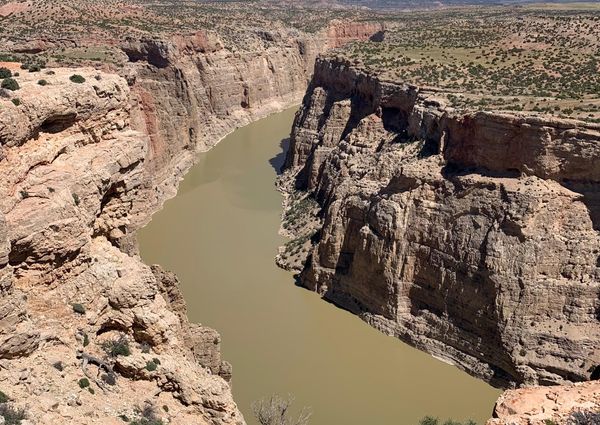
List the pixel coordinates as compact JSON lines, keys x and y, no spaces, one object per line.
{"x":472,"y":236}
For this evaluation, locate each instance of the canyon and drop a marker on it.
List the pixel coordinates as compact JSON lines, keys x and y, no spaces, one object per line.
{"x":471,"y":236}
{"x":85,"y":163}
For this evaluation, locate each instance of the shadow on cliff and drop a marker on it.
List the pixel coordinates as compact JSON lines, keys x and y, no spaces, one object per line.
{"x":278,"y":160}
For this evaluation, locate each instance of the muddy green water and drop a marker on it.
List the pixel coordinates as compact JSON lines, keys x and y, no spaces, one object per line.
{"x":219,"y":234}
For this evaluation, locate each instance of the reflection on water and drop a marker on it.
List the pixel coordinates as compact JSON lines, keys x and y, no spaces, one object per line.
{"x":220,"y":236}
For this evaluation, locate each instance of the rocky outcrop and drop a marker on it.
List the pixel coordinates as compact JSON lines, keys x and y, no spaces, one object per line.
{"x":470,"y":235}
{"x":72,"y":168}
{"x":83,"y":166}
{"x":570,"y":404}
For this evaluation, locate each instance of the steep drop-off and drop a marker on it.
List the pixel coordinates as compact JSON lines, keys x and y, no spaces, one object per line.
{"x":84,"y":166}
{"x":472,"y":236}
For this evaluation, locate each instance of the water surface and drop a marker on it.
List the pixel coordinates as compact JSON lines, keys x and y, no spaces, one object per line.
{"x":220,"y":236}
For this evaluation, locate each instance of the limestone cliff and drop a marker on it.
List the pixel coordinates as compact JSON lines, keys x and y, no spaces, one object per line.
{"x":190,"y":91}
{"x":71,"y":169}
{"x":83,"y":166}
{"x":470,"y":235}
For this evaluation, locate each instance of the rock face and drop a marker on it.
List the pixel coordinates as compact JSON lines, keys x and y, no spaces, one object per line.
{"x":71,"y":170}
{"x":190,"y":91}
{"x":83,"y":167}
{"x":472,"y":236}
{"x":543,"y":405}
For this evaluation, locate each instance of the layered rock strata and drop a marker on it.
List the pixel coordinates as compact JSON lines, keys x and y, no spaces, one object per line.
{"x":84,"y":165}
{"x":470,"y":235}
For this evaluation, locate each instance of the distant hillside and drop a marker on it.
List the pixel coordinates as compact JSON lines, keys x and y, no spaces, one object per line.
{"x":395,"y":4}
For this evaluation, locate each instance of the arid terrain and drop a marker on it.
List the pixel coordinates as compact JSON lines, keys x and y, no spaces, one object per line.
{"x":442,"y":183}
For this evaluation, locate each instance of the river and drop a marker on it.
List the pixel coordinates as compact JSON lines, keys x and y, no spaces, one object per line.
{"x":220,"y":236}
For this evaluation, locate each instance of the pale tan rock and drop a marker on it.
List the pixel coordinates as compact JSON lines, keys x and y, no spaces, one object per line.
{"x":472,"y":236}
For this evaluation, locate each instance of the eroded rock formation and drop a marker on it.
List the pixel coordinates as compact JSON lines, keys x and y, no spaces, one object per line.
{"x":83,"y":166}
{"x":470,"y":235}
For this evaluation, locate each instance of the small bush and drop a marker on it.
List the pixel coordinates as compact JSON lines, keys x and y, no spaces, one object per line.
{"x":276,"y":410}
{"x":151,"y":366}
{"x":10,"y":84}
{"x":50,"y":72}
{"x":86,"y":340}
{"x":16,"y":74}
{"x":35,"y":68}
{"x":584,"y":418}
{"x":24,"y":66}
{"x":76,"y":78}
{"x":3,"y":397}
{"x":83,"y":383}
{"x":11,"y":415}
{"x":78,"y":308}
{"x":24,"y":194}
{"x":58,"y":366}
{"x":109,"y":378}
{"x":428,"y":420}
{"x":148,"y":417}
{"x":5,"y":73}
{"x":91,"y":390}
{"x":155,"y":360}
{"x":117,"y":347}
{"x":16,"y":101}
{"x":76,"y":199}
{"x":145,"y":347}
{"x":43,"y":82}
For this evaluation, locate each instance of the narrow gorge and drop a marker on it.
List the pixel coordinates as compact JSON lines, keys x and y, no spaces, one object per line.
{"x":472,"y":236}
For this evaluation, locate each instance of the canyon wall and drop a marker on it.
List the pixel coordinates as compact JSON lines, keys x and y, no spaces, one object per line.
{"x":84,"y":165}
{"x":472,"y":236}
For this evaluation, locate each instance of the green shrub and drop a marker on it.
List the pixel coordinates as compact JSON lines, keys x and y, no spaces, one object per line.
{"x":43,"y":82}
{"x":117,"y":347}
{"x":5,"y":73}
{"x":11,"y":415}
{"x":24,"y":66}
{"x":16,"y":101}
{"x":76,"y":78}
{"x":34,"y":68}
{"x":10,"y":84}
{"x":151,"y":366}
{"x":91,"y":390}
{"x":428,"y":420}
{"x":3,"y":397}
{"x":86,"y":340}
{"x":78,"y":308}
{"x":83,"y":383}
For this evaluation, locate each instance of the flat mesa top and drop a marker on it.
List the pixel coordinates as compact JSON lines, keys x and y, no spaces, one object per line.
{"x":539,"y":58}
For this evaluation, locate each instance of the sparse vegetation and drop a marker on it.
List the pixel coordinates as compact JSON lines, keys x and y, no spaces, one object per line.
{"x":76,"y":78}
{"x":3,"y":397}
{"x":430,"y":420}
{"x":117,"y":347}
{"x":83,"y":383}
{"x":151,"y":366}
{"x":78,"y":308}
{"x":12,"y":415}
{"x":16,"y":101}
{"x":10,"y":84}
{"x":42,"y":82}
{"x":5,"y":73}
{"x":276,"y":411}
